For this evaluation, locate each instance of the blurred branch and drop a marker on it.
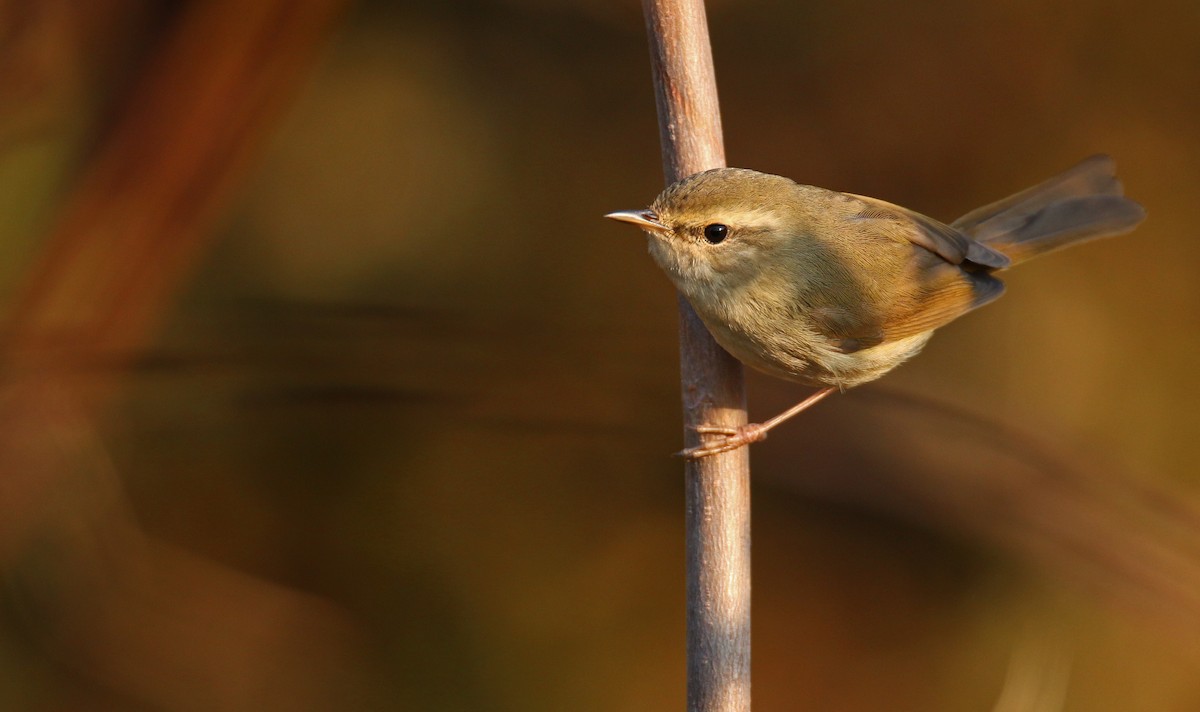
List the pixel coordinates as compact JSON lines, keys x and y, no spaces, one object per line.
{"x":717,"y":487}
{"x":144,"y":618}
{"x":147,"y":199}
{"x":1134,"y":543}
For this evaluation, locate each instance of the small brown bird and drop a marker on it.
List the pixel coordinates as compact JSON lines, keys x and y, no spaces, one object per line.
{"x":832,"y":289}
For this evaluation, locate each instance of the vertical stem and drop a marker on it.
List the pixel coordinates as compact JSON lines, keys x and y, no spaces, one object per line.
{"x":717,"y":487}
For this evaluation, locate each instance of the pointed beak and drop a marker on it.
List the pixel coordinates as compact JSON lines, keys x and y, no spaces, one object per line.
{"x":644,"y":219}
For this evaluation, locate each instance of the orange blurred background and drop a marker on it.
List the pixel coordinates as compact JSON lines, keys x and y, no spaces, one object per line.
{"x":329,"y":389}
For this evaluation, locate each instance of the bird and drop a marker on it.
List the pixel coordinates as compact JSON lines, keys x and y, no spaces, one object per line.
{"x":832,"y":289}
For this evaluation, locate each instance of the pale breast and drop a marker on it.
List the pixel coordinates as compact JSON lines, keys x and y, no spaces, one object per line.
{"x":784,"y":344}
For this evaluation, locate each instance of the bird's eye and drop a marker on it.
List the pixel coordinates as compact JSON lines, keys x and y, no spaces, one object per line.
{"x":716,"y":232}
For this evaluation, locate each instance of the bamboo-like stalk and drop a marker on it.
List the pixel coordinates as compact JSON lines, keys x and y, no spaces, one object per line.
{"x":717,"y":487}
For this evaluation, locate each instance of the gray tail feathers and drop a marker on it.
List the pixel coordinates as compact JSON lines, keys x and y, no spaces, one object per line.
{"x":1082,"y":203}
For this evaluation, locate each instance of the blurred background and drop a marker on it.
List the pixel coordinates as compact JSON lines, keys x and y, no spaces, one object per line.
{"x":327,"y":388}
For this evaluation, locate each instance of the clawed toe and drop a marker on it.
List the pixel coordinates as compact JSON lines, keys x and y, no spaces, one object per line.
{"x":725,"y":430}
{"x":727,"y":438}
{"x":731,"y":439}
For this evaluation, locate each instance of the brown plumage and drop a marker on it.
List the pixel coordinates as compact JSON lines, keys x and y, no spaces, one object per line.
{"x":833,"y":289}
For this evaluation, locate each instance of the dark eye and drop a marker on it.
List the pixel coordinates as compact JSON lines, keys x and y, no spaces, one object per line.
{"x":716,"y":232}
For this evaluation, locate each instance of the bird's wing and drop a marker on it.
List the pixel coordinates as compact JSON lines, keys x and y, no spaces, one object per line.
{"x":947,"y":242}
{"x":949,"y":293}
{"x":946,"y":292}
{"x":944,"y":274}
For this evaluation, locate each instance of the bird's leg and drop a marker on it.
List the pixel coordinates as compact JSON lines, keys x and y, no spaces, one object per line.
{"x":733,"y":438}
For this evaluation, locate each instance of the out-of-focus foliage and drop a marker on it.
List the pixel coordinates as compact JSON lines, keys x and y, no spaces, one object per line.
{"x":414,"y":406}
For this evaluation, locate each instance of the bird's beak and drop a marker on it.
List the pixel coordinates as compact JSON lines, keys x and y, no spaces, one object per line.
{"x":645,"y":219}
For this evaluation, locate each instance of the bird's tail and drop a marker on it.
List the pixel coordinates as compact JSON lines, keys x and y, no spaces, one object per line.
{"x":1082,"y":203}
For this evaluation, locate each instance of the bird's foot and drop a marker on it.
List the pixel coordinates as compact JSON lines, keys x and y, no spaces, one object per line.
{"x":731,"y":438}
